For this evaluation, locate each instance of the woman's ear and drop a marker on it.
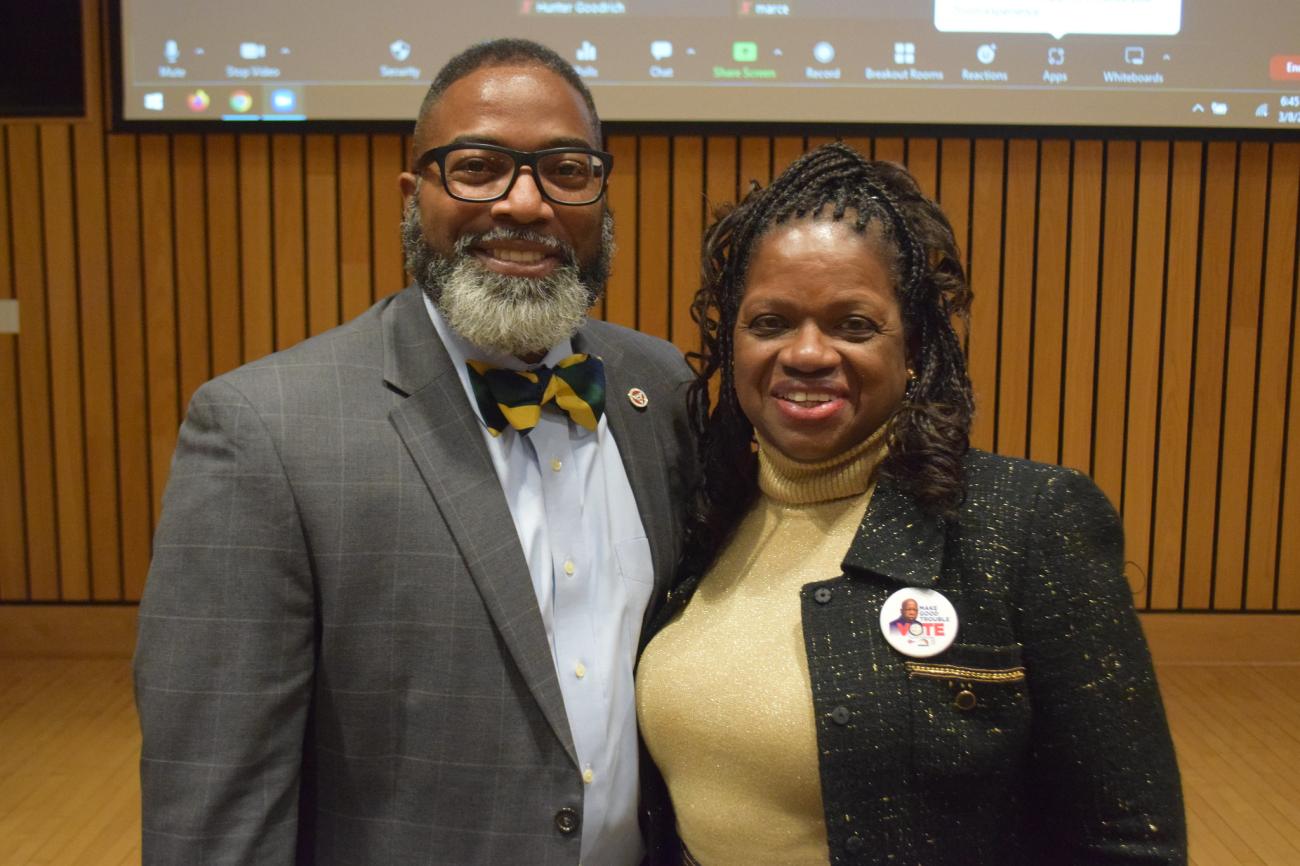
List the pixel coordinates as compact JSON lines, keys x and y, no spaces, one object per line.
{"x":913,"y":343}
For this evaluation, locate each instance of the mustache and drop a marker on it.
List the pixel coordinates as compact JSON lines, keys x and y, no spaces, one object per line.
{"x":506,"y":233}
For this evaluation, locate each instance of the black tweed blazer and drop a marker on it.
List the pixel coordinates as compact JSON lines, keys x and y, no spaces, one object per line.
{"x":1038,"y":737}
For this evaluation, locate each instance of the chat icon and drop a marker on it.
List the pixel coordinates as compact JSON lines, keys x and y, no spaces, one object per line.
{"x":661,"y":49}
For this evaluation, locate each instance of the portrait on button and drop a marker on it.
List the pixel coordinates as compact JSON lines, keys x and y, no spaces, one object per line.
{"x":906,"y":617}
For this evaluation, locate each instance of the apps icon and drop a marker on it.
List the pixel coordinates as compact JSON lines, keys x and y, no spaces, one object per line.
{"x":744,"y":52}
{"x":661,"y":49}
{"x":1056,"y":56}
{"x":1135,"y":55}
{"x":198,"y":100}
{"x":905,"y":53}
{"x":400,"y":49}
{"x":586,"y":52}
{"x":241,"y":101}
{"x":283,"y":100}
{"x":153,"y":101}
{"x":823,"y":52}
{"x":252,"y":50}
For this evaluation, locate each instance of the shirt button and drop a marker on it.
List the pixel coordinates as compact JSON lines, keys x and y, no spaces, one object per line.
{"x":854,"y":844}
{"x":821,"y":595}
{"x":566,"y":821}
{"x":965,"y":700}
{"x":569,"y":567}
{"x":840,"y":715}
{"x":587,"y":775}
{"x":580,"y":669}
{"x":556,"y":464}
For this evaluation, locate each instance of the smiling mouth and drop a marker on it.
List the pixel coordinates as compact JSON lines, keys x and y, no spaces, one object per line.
{"x":522,"y":257}
{"x":808,"y":405}
{"x":807,"y":398}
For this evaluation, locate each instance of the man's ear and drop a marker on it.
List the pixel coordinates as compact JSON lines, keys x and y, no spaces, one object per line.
{"x":406,"y":182}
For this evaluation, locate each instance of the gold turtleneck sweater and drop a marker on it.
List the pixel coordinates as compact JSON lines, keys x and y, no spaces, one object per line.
{"x":723,"y":693}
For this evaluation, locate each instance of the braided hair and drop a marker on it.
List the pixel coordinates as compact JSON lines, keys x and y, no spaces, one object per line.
{"x":929,"y":432}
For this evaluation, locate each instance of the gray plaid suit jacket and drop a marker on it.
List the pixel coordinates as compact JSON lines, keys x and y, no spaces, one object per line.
{"x":340,"y":655}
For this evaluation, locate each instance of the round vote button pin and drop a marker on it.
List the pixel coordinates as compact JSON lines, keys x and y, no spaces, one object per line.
{"x":919,"y":622}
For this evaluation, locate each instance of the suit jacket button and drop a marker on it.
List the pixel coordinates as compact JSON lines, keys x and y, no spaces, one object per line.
{"x":965,"y":700}
{"x":854,"y":844}
{"x":840,"y":715}
{"x":821,"y":595}
{"x":567,"y":821}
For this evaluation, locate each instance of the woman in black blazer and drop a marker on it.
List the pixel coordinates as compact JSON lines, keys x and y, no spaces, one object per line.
{"x":886,"y":647}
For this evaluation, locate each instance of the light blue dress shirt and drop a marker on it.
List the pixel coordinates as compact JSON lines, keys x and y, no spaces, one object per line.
{"x":589,"y":558}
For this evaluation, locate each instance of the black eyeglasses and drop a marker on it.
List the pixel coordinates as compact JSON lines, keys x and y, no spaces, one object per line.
{"x":487,"y":172}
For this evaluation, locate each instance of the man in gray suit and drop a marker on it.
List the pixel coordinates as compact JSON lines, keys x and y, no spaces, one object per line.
{"x":394,"y":605}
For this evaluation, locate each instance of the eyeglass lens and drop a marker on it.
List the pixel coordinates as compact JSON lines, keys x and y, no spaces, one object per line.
{"x":572,"y":176}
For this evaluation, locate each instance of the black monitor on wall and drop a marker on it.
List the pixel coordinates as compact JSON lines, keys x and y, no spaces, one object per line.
{"x":42,"y":72}
{"x":1165,"y":64}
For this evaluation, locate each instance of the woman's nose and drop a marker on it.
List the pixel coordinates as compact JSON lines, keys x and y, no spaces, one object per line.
{"x":810,"y":350}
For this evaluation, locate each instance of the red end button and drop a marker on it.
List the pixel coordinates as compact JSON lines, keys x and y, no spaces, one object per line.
{"x":1284,"y":67}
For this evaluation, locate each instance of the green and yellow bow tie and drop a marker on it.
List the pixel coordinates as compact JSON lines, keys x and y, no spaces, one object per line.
{"x":515,"y":397}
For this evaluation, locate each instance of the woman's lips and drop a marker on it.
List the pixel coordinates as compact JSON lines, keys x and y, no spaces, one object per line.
{"x":804,"y":406}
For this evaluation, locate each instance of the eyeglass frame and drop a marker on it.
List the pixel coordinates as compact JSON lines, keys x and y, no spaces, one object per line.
{"x":438,"y":155}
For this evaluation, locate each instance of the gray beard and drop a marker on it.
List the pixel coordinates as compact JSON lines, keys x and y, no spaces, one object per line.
{"x":514,"y":315}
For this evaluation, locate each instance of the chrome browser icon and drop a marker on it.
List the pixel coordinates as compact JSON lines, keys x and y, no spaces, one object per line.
{"x":241,"y":101}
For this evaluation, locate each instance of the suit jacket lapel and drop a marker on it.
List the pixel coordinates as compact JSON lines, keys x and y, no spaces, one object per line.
{"x":643,"y":455}
{"x":443,"y":436}
{"x":898,"y":540}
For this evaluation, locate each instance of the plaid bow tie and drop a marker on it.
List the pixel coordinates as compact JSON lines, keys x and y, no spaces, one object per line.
{"x":515,"y":397}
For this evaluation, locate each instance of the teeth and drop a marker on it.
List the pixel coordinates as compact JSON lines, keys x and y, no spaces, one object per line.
{"x":526,"y":257}
{"x":805,"y":397}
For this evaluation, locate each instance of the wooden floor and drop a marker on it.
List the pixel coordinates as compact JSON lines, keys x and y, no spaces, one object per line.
{"x":69,"y":747}
{"x":69,"y":756}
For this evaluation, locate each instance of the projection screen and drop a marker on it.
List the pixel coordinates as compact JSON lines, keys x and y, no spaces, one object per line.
{"x":1191,"y":64}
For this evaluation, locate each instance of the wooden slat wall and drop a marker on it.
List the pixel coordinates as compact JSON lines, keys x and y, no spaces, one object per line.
{"x":1135,"y":317}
